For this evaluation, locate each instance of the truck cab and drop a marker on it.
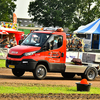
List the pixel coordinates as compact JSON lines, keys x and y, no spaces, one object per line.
{"x":41,"y":52}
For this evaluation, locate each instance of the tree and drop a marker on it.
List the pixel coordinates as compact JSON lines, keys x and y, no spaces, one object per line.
{"x":97,"y":8}
{"x":30,"y":25}
{"x":86,"y":12}
{"x":52,"y":12}
{"x":7,"y":7}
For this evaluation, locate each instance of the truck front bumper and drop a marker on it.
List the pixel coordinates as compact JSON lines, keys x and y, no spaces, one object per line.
{"x":25,"y":64}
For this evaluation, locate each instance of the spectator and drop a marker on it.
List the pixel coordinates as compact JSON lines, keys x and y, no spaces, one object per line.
{"x":13,"y":42}
{"x":69,"y":44}
{"x":7,"y":41}
{"x":22,"y":39}
{"x":79,"y":46}
{"x":73,"y":46}
{"x":0,"y":41}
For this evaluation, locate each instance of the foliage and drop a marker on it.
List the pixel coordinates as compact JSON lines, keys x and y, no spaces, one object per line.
{"x":30,"y":25}
{"x":97,"y":8}
{"x":52,"y":12}
{"x":7,"y":7}
{"x":64,"y":13}
{"x":86,"y":12}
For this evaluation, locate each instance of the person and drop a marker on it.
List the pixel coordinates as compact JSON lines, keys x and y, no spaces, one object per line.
{"x":59,"y":42}
{"x":7,"y":41}
{"x":79,"y":46}
{"x":69,"y":44}
{"x":34,"y":40}
{"x":73,"y":46}
{"x":51,"y":45}
{"x":13,"y":42}
{"x":1,"y":41}
{"x":55,"y":43}
{"x":22,"y":39}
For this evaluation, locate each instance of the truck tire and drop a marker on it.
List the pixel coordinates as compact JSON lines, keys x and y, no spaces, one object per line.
{"x":90,"y":74}
{"x":40,"y":72}
{"x":17,"y":72}
{"x":68,"y":75}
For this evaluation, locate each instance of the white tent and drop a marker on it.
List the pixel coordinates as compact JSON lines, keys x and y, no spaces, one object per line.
{"x":93,"y":27}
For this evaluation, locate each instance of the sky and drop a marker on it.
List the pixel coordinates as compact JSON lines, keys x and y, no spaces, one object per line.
{"x":22,"y":8}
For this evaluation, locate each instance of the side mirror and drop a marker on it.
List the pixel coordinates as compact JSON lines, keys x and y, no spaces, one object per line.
{"x":48,"y":45}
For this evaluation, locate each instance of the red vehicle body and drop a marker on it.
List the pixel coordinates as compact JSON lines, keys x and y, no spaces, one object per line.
{"x":51,"y":60}
{"x":42,"y":52}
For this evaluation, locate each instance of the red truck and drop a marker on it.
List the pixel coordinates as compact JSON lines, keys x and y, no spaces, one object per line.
{"x":45,"y":51}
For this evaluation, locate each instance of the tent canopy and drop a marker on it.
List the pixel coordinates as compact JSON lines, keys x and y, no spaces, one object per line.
{"x":3,"y":32}
{"x":11,"y":33}
{"x":93,"y":27}
{"x":11,"y":30}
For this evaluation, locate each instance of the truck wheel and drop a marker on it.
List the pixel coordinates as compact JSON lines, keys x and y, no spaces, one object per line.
{"x":17,"y":72}
{"x":40,"y":72}
{"x":90,"y":74}
{"x":68,"y":75}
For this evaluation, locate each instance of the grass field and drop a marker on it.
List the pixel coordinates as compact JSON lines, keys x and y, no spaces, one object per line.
{"x":45,"y":90}
{"x":2,"y":63}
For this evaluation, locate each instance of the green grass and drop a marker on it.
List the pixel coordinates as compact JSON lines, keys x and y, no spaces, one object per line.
{"x":45,"y":90}
{"x":2,"y":63}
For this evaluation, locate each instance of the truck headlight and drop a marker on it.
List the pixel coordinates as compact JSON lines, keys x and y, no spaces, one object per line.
{"x":29,"y":53}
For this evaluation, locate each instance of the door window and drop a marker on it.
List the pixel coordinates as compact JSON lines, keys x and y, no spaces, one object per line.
{"x":55,"y":41}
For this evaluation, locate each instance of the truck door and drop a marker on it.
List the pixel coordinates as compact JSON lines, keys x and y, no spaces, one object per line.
{"x":55,"y":56}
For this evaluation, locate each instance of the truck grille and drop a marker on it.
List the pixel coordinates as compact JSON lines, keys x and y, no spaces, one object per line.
{"x":15,"y":56}
{"x":10,"y":62}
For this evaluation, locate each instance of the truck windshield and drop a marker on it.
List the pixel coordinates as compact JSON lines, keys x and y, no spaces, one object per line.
{"x":36,"y":39}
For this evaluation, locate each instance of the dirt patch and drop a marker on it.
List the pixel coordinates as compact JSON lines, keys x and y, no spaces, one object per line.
{"x":49,"y":96}
{"x":6,"y":76}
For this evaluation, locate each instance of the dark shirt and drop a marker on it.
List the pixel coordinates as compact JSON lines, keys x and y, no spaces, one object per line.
{"x":79,"y":47}
{"x":12,"y":41}
{"x":73,"y":45}
{"x":68,"y":45}
{"x":20,"y":41}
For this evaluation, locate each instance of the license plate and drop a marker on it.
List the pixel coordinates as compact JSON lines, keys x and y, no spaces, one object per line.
{"x":11,"y":66}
